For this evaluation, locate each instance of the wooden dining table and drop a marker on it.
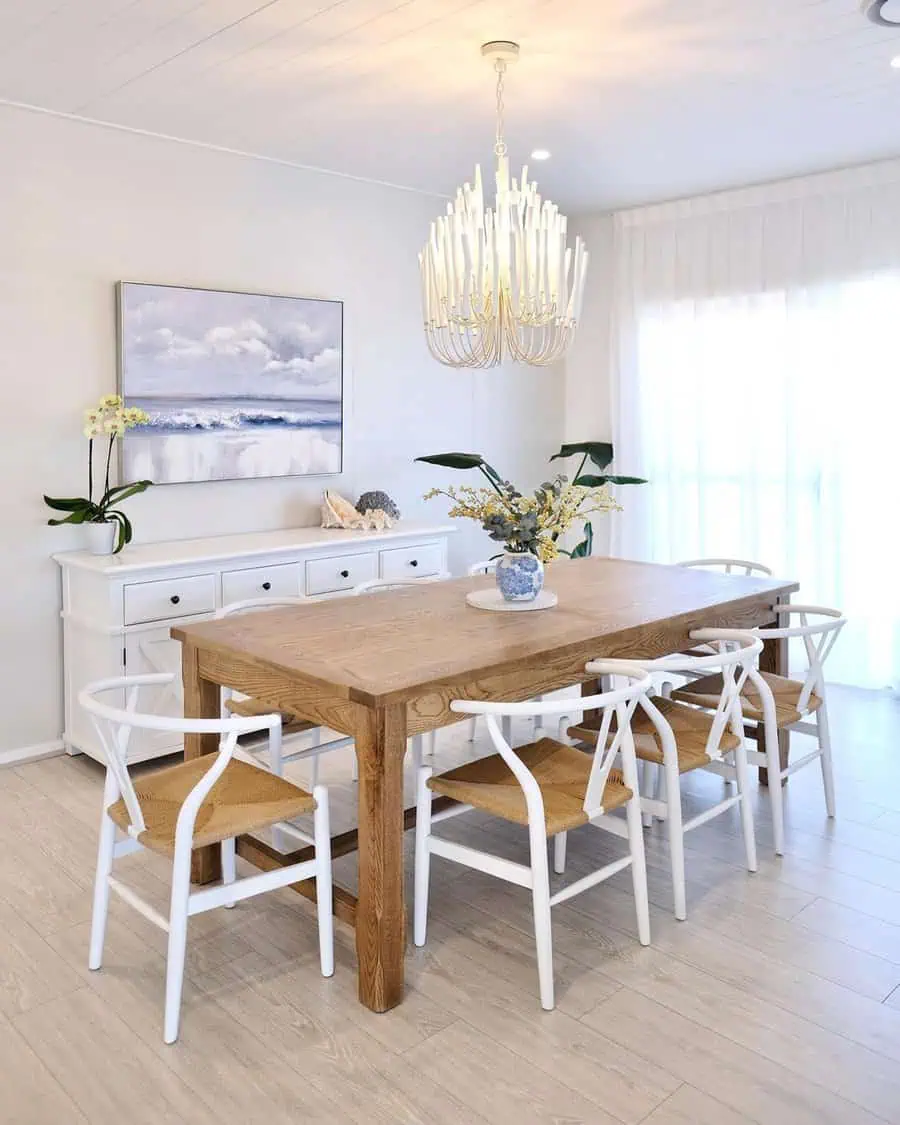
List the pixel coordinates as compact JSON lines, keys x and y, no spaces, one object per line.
{"x":387,"y":666}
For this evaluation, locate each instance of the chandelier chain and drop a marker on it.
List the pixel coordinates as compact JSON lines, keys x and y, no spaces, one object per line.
{"x":499,"y":143}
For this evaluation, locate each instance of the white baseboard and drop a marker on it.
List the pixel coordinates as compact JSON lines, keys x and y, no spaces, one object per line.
{"x":24,"y":754}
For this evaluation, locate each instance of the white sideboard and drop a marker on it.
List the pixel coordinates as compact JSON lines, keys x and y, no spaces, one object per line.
{"x":117,"y":610}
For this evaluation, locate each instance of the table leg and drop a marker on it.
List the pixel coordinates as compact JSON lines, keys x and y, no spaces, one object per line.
{"x":201,"y":701}
{"x":380,"y":919}
{"x":774,"y":658}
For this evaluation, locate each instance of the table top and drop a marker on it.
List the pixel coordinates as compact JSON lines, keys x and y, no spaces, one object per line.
{"x":394,"y":644}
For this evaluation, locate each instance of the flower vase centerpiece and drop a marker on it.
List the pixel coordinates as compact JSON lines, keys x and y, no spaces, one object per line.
{"x":108,"y":529}
{"x":528,"y":526}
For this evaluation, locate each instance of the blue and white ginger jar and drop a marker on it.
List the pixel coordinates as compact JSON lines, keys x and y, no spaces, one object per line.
{"x":520,"y":577}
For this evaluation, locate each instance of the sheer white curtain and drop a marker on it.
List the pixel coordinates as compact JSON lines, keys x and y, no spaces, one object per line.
{"x":755,"y":377}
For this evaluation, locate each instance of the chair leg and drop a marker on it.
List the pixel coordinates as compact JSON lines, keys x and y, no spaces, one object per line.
{"x":178,"y":919}
{"x":416,"y":749}
{"x":543,"y":930}
{"x":668,"y":789}
{"x":315,"y":739}
{"x":776,"y":793}
{"x":430,"y":745}
{"x":559,"y":853}
{"x":324,"y":891}
{"x":743,"y":784}
{"x":506,"y":727}
{"x":101,"y":890}
{"x":354,"y":767}
{"x":824,"y":734}
{"x":423,"y":855}
{"x":645,"y":774}
{"x":638,"y":868}
{"x":229,"y":870}
{"x":473,"y":728}
{"x":276,"y":765}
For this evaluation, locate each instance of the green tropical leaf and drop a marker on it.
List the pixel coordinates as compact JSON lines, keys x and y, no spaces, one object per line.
{"x":454,"y":460}
{"x":589,"y":480}
{"x":584,"y":548}
{"x":67,"y":504}
{"x":600,"y":452}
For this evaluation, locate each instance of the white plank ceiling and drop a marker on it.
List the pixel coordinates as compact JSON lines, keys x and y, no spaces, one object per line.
{"x":636,"y":99}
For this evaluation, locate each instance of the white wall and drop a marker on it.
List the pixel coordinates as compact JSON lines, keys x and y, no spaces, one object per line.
{"x":82,"y":206}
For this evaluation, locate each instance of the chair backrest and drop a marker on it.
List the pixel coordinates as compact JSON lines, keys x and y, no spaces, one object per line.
{"x":729,"y":566}
{"x":248,"y":605}
{"x":115,"y":724}
{"x":818,"y":638}
{"x":488,"y":566}
{"x":738,"y":652}
{"x":375,"y":584}
{"x":619,"y":703}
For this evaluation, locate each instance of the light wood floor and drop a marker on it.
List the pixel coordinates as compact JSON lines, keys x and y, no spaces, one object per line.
{"x":777,"y":1002}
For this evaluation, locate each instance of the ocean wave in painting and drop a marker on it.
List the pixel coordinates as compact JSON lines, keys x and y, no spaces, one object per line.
{"x":233,"y":415}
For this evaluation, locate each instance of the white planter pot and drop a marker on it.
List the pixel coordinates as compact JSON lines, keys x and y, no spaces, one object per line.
{"x":101,"y":537}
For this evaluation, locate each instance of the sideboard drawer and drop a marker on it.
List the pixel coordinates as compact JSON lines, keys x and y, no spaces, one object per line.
{"x":171,"y":597}
{"x":343,"y":572}
{"x":412,"y":562}
{"x":280,"y":581}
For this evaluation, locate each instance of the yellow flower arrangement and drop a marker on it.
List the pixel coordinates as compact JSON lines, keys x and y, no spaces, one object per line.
{"x":532,"y":524}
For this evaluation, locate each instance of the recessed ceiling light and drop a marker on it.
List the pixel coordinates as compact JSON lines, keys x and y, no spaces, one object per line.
{"x":895,"y":62}
{"x":543,"y":154}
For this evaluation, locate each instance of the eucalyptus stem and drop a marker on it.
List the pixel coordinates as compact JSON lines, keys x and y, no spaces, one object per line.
{"x":581,"y":466}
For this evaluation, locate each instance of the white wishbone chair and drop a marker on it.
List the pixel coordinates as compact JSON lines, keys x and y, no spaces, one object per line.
{"x":729,"y":566}
{"x":780,"y":703}
{"x":208,"y":800}
{"x":677,"y":738}
{"x":284,"y":723}
{"x":422,"y":745}
{"x":550,"y":787}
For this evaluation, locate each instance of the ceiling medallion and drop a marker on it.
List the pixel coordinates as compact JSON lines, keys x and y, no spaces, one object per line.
{"x":874,"y":9}
{"x":500,"y":283}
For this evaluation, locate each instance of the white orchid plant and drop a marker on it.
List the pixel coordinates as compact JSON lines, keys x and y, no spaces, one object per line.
{"x":109,"y":419}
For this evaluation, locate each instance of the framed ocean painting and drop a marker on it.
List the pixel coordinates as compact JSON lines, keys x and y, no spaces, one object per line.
{"x":236,"y":385}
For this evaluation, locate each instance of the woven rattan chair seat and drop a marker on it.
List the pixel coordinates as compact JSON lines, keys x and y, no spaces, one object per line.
{"x":561,"y":771}
{"x":690,"y":726}
{"x":290,"y":724}
{"x":705,"y":692}
{"x":243,"y":799}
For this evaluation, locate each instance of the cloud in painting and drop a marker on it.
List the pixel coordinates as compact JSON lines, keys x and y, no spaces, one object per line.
{"x":198,"y":343}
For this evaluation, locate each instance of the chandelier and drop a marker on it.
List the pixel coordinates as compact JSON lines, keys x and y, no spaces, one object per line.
{"x":874,"y":9}
{"x":501,"y":282}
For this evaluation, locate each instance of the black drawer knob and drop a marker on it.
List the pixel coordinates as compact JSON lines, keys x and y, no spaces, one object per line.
{"x":267,"y":585}
{"x":175,"y":599}
{"x":345,"y":574}
{"x":413,"y":562}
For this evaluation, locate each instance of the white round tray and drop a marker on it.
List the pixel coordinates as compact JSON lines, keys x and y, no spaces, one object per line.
{"x":492,"y":599}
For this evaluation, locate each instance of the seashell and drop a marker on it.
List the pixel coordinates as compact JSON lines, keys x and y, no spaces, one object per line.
{"x":378,"y":501}
{"x":339,"y":512}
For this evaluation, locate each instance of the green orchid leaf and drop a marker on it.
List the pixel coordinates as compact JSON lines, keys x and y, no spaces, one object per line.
{"x":123,"y":491}
{"x":600,"y":452}
{"x":73,"y":517}
{"x":125,"y":530}
{"x":66,"y":504}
